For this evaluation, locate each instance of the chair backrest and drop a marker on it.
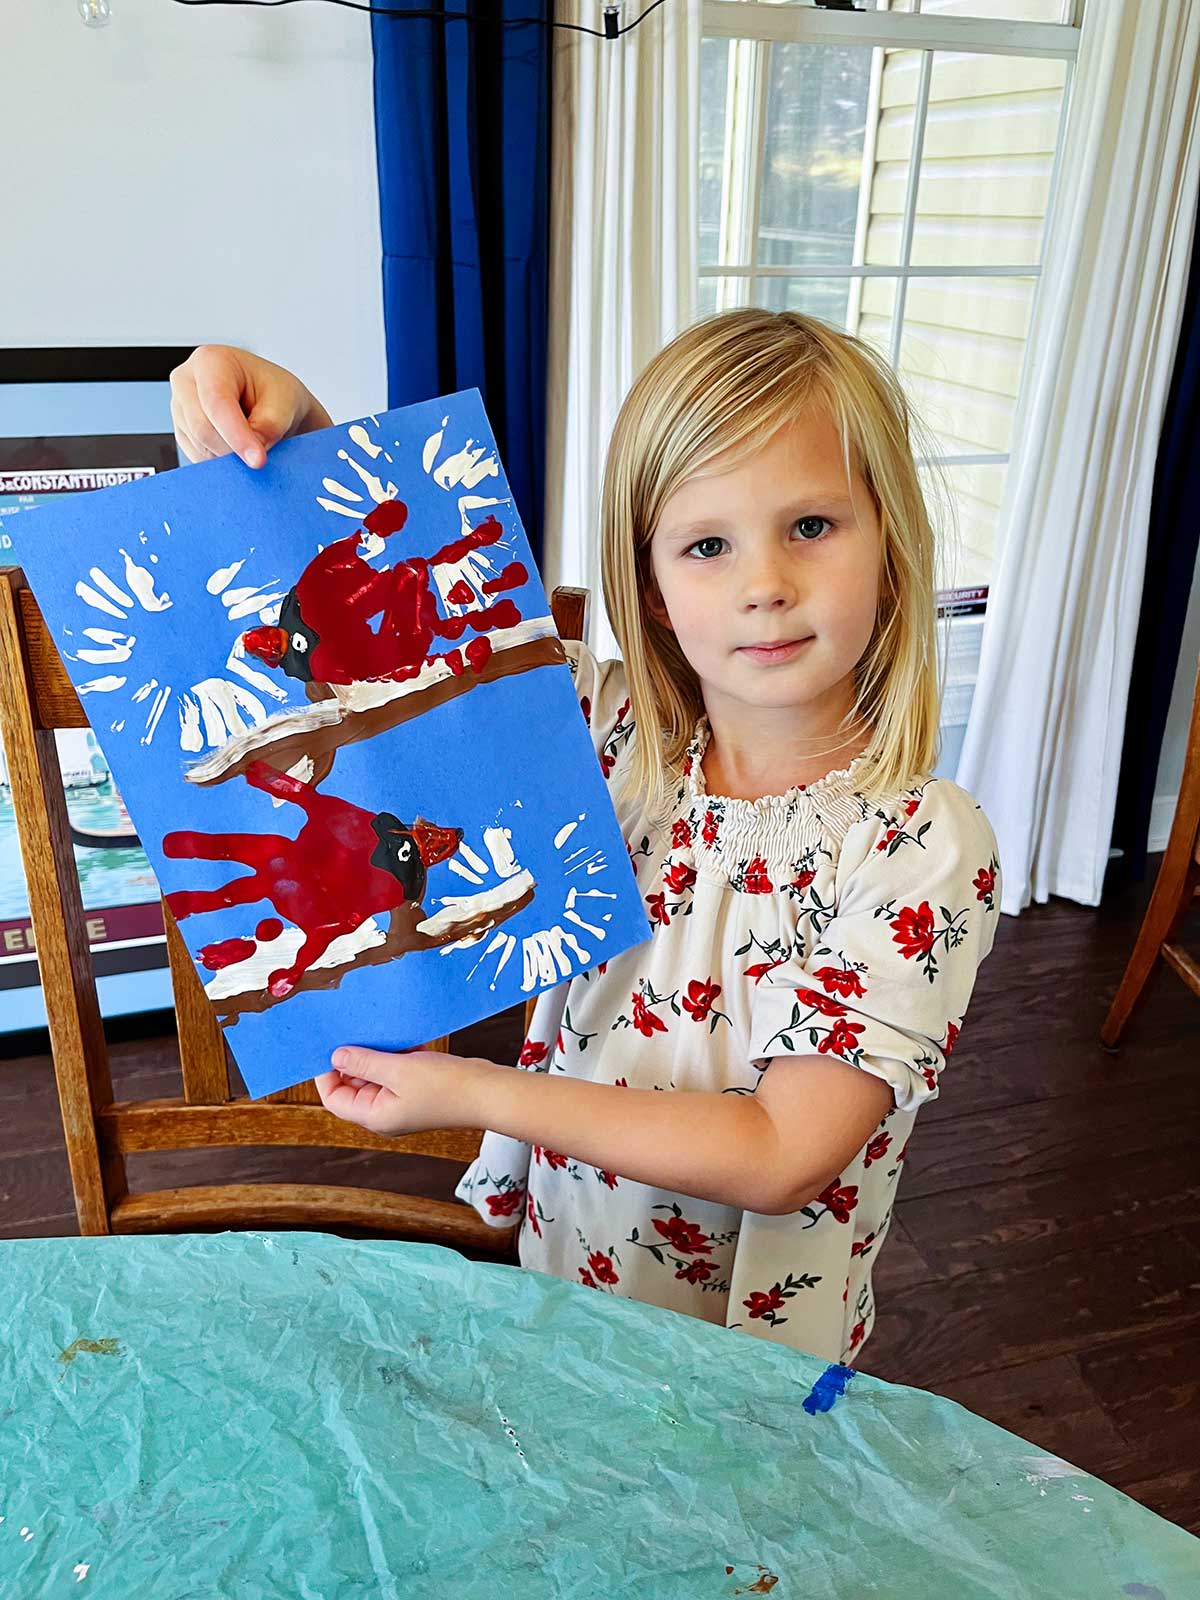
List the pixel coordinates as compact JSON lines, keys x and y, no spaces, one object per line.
{"x":36,"y":698}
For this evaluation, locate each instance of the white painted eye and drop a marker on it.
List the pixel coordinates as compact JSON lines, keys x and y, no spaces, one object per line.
{"x":299,"y":643}
{"x":404,"y":850}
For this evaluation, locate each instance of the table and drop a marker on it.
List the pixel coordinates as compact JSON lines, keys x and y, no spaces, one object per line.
{"x":251,"y":1415}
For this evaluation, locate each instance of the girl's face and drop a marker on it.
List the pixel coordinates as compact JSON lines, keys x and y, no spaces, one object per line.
{"x":769,"y":578}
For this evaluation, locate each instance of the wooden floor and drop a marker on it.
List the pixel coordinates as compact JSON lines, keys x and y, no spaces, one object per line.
{"x":1044,"y":1265}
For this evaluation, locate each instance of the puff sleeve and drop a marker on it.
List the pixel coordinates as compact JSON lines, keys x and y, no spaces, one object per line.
{"x":886,"y":973}
{"x":604,"y":700}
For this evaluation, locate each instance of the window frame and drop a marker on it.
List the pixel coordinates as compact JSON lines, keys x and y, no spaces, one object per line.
{"x":752,"y":27}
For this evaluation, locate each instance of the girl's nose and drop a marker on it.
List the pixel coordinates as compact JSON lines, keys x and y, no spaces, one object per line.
{"x":768,"y":588}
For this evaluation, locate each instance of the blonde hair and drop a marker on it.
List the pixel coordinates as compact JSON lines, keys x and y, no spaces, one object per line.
{"x":722,"y":389}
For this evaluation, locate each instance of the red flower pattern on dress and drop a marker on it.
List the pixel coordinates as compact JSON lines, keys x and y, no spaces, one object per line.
{"x":902,"y":1155}
{"x":841,"y":980}
{"x":912,"y":807}
{"x":532,"y":1053}
{"x":760,"y":969}
{"x":503,"y":1205}
{"x":985,"y":883}
{"x":802,"y":881}
{"x":686,"y":1237}
{"x":698,"y":1000}
{"x":697,"y":1270}
{"x":877,"y":1148}
{"x":760,"y":1304}
{"x":757,"y":880}
{"x":681,"y":834}
{"x":951,"y":1038}
{"x":644,"y":1020}
{"x":820,"y":1002}
{"x":602,"y":1266}
{"x":553,"y":1160}
{"x":609,"y":1179}
{"x":531,"y":1214}
{"x":841,"y":1036}
{"x":658,"y":909}
{"x":680,"y":878}
{"x":857,"y":1333}
{"x":839,"y":1200}
{"x":887,"y":838}
{"x":709,"y":831}
{"x":930,"y":1076}
{"x":914,"y":931}
{"x":585,"y":705}
{"x":586,"y":1279}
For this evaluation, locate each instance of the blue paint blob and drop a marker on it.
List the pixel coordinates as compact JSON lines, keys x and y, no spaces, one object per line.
{"x":1143,"y":1591}
{"x":828,"y":1389}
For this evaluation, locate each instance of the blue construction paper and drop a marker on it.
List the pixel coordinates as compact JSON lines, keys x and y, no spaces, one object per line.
{"x":185,"y":608}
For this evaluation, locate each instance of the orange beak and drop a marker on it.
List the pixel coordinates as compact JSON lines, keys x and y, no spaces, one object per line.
{"x":268,"y":644}
{"x":435,"y":844}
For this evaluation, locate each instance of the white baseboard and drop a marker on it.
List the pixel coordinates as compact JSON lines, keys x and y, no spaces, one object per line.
{"x":1162,"y":814}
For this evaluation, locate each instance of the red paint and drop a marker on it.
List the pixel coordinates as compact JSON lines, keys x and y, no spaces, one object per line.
{"x":227,"y":953}
{"x":374,"y":626}
{"x":388,"y":517}
{"x":479,"y":653}
{"x":489,"y":531}
{"x":502,"y":615}
{"x":462,"y":594}
{"x":322,"y":881}
{"x":513,"y":576}
{"x":454,"y":660}
{"x":269,"y":928}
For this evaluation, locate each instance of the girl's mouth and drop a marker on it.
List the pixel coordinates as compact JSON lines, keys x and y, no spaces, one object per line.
{"x":768,"y":654}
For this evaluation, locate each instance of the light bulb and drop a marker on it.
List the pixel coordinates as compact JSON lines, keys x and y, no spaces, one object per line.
{"x":95,"y":13}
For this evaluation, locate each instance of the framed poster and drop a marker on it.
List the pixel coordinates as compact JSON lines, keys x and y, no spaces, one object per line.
{"x":72,"y":421}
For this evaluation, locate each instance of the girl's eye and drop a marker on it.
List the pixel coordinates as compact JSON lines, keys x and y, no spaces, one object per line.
{"x":707,"y":548}
{"x":811,"y":528}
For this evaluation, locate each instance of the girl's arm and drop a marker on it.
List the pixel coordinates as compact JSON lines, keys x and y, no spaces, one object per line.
{"x":769,"y":1152}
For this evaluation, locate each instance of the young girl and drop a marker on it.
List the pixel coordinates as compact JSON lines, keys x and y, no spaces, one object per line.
{"x":716,"y":1120}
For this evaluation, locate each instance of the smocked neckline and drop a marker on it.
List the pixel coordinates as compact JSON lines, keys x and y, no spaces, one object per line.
{"x":837,"y":780}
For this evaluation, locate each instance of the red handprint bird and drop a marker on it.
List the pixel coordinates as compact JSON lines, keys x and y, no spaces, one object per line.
{"x":345,"y":865}
{"x":325,"y":632}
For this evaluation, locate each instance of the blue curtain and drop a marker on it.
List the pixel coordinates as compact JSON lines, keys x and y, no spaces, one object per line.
{"x":1170,"y":570}
{"x":462,"y":133}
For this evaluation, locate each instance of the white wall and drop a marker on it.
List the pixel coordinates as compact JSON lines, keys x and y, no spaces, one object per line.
{"x":194,"y":174}
{"x":1170,"y":766}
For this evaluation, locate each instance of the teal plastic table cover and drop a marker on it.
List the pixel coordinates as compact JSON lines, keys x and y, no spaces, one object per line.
{"x":247,"y":1415}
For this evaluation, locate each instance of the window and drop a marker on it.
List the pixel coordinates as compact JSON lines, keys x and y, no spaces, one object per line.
{"x":891,"y":170}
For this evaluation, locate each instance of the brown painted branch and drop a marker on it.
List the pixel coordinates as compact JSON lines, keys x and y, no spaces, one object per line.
{"x":354,"y":726}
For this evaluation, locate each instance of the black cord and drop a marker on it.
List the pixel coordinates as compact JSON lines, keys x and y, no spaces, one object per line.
{"x":445,"y":16}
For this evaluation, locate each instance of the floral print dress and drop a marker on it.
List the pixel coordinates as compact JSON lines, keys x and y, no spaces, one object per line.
{"x":815,"y":922}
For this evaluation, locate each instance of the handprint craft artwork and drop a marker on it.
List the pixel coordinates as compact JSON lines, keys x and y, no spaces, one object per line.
{"x":314,"y":684}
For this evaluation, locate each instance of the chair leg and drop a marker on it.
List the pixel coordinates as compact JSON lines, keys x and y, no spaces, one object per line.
{"x":1168,"y":906}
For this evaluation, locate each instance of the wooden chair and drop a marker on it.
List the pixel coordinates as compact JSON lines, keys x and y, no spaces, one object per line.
{"x":1176,"y":888}
{"x":36,"y":697}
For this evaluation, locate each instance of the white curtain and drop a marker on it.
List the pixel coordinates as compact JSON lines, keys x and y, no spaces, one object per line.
{"x":622,"y":252}
{"x":1043,"y":742}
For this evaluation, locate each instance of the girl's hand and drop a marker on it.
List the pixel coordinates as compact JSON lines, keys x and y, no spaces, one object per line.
{"x":396,"y":1094}
{"x":225,"y":400}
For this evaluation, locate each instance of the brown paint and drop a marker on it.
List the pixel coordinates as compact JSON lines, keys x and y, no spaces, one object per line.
{"x":90,"y":1347}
